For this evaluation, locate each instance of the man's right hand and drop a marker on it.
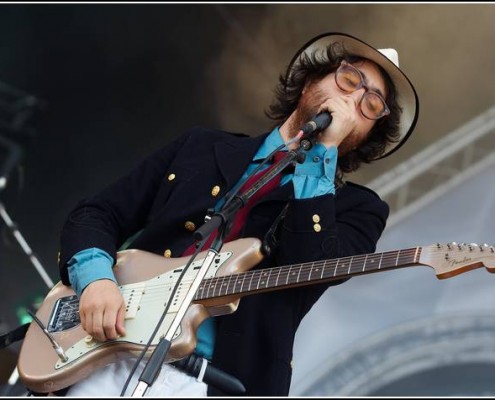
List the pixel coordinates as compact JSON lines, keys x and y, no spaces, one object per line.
{"x":102,"y":310}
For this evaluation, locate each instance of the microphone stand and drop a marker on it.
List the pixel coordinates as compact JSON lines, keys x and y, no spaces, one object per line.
{"x":159,"y":355}
{"x":218,"y":219}
{"x":15,"y":153}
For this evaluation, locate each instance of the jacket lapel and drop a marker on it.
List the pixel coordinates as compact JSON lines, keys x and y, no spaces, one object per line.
{"x":234,"y":156}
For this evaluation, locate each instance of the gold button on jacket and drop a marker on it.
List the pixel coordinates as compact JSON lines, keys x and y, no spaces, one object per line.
{"x":215,"y":190}
{"x":190,"y":226}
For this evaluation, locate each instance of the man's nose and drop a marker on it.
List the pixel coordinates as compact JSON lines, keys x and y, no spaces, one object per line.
{"x":358,"y":94}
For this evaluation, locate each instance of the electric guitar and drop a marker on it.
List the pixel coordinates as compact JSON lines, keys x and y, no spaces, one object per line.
{"x":57,"y":352}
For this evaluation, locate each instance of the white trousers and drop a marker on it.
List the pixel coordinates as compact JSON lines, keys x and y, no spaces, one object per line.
{"x":110,"y":380}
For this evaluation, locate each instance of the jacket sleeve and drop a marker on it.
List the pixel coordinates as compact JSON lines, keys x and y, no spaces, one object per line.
{"x":107,"y":219}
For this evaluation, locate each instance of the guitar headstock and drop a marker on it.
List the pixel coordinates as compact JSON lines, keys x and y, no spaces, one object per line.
{"x":453,"y":258}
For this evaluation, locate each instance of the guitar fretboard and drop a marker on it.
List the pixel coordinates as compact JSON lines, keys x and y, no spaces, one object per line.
{"x":305,"y":273}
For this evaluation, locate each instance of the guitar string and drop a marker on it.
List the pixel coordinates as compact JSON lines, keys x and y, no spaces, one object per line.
{"x":154,"y":291}
{"x":311,"y":267}
{"x":281,"y":273}
{"x":290,"y":268}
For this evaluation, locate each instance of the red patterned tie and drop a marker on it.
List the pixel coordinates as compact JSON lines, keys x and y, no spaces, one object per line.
{"x":242,"y":213}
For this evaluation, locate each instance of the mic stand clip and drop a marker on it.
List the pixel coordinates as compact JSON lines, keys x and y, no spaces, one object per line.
{"x":308,"y":141}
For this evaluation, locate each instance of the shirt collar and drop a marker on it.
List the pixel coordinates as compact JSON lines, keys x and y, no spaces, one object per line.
{"x":272,"y":141}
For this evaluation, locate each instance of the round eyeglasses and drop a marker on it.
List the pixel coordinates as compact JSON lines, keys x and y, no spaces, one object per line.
{"x":349,"y":79}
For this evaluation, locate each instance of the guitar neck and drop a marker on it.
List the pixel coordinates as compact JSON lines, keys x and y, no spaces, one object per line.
{"x":276,"y":278}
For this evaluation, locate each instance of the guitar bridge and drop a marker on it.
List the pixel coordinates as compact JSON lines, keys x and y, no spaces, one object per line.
{"x":65,"y":314}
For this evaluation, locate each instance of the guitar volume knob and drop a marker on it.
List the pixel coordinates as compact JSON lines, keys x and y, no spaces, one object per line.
{"x":90,"y":341}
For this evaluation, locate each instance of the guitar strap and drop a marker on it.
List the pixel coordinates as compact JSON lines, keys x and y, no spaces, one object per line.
{"x":271,"y":240}
{"x":14,"y":335}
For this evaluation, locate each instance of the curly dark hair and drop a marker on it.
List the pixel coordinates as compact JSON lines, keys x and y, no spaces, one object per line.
{"x":313,"y":67}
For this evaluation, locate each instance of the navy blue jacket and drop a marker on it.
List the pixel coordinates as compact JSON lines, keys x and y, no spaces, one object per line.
{"x":255,"y":342}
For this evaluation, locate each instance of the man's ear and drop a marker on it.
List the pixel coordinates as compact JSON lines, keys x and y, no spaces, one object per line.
{"x":306,"y":84}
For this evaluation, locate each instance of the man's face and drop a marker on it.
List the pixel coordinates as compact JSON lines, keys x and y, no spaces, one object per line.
{"x":316,"y":93}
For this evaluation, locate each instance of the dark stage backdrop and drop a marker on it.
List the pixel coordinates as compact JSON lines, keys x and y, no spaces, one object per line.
{"x":113,"y":82}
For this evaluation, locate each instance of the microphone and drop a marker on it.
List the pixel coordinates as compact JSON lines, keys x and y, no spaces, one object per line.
{"x":317,"y":124}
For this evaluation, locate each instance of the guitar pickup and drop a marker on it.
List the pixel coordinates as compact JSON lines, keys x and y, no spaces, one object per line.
{"x":132,"y":297}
